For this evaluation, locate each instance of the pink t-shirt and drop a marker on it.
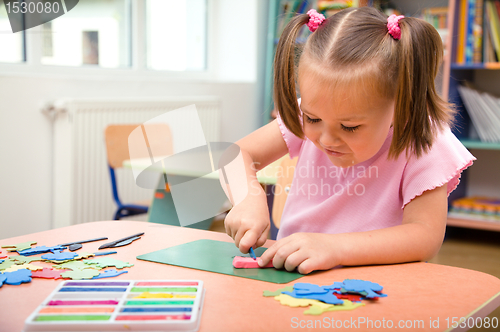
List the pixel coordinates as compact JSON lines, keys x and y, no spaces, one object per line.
{"x":370,"y":195}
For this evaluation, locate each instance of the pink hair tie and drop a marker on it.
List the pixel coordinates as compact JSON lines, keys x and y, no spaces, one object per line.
{"x":315,"y":19}
{"x":393,"y":26}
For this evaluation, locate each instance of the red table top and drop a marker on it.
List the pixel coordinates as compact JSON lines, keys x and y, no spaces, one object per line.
{"x":418,"y":293}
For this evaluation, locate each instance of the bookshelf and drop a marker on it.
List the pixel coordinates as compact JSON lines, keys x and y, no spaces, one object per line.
{"x":486,"y":75}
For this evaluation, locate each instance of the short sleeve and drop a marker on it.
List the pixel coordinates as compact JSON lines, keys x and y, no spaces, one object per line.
{"x":293,"y":142}
{"x":443,"y":163}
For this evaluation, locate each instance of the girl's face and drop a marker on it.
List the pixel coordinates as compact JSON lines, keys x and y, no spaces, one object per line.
{"x":348,"y":125}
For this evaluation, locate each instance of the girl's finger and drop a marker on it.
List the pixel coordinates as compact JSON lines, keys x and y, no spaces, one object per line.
{"x":282,"y":254}
{"x":268,"y":255}
{"x":263,"y":238}
{"x":238,"y":236}
{"x":248,"y":240}
{"x":294,"y":259}
{"x":306,"y":267}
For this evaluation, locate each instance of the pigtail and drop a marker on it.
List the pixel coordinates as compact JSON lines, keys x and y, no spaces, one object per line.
{"x":419,"y":111}
{"x":285,"y":93}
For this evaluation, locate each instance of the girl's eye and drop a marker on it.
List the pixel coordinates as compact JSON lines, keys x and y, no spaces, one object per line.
{"x":308,"y":119}
{"x":350,"y":129}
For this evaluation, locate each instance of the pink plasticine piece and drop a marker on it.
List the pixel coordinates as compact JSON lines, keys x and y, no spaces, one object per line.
{"x":99,"y":302}
{"x":248,"y":263}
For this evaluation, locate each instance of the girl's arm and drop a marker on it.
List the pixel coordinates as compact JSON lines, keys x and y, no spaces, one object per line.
{"x":248,"y":221}
{"x":419,"y":238}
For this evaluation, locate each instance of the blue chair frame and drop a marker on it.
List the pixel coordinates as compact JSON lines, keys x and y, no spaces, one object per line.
{"x":124,"y":210}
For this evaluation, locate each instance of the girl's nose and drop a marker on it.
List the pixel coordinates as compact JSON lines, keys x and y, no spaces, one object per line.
{"x":328,"y":139}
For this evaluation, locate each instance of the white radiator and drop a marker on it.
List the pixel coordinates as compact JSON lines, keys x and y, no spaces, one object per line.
{"x":81,"y":184}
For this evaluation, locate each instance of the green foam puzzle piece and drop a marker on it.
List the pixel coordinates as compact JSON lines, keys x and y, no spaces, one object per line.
{"x":278,"y":291}
{"x":73,"y":265}
{"x":343,"y":291}
{"x":6,"y":264}
{"x":216,"y":256}
{"x":108,"y":262}
{"x":80,"y":274}
{"x":26,"y":259}
{"x":19,"y":246}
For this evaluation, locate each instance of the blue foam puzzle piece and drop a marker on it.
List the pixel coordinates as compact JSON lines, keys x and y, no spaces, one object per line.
{"x":356,"y":285}
{"x":40,"y":250}
{"x":60,"y":256}
{"x":2,"y":279}
{"x":2,"y":260}
{"x":335,"y":285}
{"x":17,"y":277}
{"x":327,"y":297}
{"x":109,"y":274}
{"x":303,"y":288}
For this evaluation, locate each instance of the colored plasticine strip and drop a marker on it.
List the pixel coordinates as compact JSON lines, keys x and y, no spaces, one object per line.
{"x":153,"y":317}
{"x":159,"y":302}
{"x":92,"y":289}
{"x":162,"y":296}
{"x":248,"y":263}
{"x":163,"y":289}
{"x":49,"y":318}
{"x":156,"y":309}
{"x":56,"y":310}
{"x":97,"y":283}
{"x":166,"y":283}
{"x":59,"y":302}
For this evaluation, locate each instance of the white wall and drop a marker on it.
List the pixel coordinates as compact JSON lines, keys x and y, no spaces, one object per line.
{"x":236,"y":55}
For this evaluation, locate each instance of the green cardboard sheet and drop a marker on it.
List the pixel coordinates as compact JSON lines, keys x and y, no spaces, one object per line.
{"x":216,"y":256}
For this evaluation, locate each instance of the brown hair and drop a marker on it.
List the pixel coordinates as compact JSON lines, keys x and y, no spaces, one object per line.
{"x":355,"y":45}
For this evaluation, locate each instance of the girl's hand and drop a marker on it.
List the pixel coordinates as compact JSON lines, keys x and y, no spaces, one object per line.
{"x":305,"y":251}
{"x":248,"y":222}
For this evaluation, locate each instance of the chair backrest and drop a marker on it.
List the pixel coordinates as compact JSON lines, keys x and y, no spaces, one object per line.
{"x":283,"y":184}
{"x":116,"y":136}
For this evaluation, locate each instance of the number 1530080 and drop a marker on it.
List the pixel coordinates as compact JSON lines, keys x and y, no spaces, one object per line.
{"x":32,"y":7}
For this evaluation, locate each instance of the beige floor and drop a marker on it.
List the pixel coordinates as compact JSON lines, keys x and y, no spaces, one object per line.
{"x":466,"y":248}
{"x":474,"y":250}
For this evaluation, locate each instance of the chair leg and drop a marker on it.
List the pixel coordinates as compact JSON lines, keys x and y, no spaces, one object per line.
{"x":117,"y":215}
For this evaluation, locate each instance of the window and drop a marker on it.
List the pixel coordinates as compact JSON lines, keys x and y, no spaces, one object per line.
{"x":171,"y":35}
{"x":95,"y":32}
{"x":11,"y":44}
{"x":176,"y":34}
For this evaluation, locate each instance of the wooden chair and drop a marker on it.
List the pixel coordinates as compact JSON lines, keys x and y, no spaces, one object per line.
{"x":283,"y":184}
{"x":116,"y":138}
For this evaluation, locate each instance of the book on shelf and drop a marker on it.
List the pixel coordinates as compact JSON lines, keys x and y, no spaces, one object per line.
{"x":438,"y":17}
{"x":476,"y":208}
{"x":289,"y":8}
{"x":469,"y":40}
{"x":477,"y":31}
{"x":493,"y":26}
{"x":484,"y":111}
{"x":462,"y":28}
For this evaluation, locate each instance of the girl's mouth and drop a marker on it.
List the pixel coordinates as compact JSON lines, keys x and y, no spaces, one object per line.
{"x":334,"y":153}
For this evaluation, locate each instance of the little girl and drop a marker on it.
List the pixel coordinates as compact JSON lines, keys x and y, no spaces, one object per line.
{"x":376,"y":157}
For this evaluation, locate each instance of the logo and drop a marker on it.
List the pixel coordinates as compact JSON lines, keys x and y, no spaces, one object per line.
{"x":26,"y":14}
{"x":170,"y":152}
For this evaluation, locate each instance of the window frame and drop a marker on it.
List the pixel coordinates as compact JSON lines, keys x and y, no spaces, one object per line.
{"x":138,"y":69}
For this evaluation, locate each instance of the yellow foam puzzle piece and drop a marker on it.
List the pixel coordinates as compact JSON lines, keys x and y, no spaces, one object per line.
{"x":31,"y":267}
{"x":291,"y":301}
{"x":148,"y":295}
{"x":318,"y":310}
